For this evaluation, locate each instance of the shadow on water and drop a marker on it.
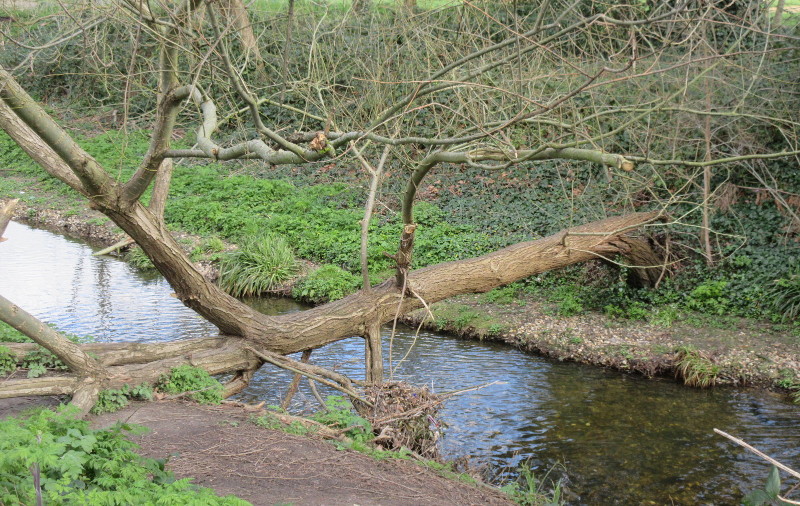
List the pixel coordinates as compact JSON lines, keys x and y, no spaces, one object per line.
{"x":622,"y":439}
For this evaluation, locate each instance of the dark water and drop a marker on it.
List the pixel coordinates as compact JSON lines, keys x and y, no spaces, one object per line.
{"x":621,"y":439}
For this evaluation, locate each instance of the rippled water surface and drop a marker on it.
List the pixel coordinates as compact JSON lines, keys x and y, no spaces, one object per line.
{"x":621,"y":439}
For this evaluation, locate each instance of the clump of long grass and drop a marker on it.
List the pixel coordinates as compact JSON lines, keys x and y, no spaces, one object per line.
{"x":696,"y":369}
{"x":531,"y":490}
{"x":139,"y":259}
{"x":261,"y":264}
{"x":786,"y":297}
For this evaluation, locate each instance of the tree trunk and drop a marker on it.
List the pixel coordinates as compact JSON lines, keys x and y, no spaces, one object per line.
{"x":236,"y":14}
{"x":6,"y":212}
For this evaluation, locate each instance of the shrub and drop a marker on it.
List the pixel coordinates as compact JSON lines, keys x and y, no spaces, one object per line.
{"x":570,"y":306}
{"x":113,"y":400}
{"x":339,"y":414}
{"x":9,"y":334}
{"x":709,"y":297}
{"x":325,"y":284}
{"x":7,"y":361}
{"x":184,"y":379}
{"x":39,"y":360}
{"x":260,"y":264}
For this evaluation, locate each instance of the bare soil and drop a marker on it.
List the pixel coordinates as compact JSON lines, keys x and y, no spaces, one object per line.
{"x":220,"y":448}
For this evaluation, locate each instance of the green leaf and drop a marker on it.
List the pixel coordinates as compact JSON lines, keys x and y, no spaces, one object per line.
{"x":756,"y":498}
{"x":773,"y":487}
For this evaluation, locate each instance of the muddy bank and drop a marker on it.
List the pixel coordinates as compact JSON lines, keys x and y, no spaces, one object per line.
{"x":738,"y":352}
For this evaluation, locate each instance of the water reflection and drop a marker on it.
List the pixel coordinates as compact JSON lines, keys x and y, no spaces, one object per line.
{"x":622,"y":439}
{"x":57,"y":280}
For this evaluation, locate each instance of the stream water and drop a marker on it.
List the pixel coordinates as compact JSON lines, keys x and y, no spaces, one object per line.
{"x":616,"y":438}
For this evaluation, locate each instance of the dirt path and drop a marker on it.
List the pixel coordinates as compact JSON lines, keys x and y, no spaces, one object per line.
{"x":222,"y":450}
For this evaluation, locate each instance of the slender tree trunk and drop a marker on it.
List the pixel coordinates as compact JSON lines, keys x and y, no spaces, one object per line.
{"x":777,"y":20}
{"x":236,"y":14}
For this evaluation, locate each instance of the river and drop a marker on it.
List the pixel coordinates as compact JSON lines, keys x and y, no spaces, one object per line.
{"x":615,"y":438}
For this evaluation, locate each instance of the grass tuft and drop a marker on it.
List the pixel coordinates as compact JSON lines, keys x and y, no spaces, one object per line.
{"x":260,"y":264}
{"x":139,"y":259}
{"x":696,"y":369}
{"x":786,"y":297}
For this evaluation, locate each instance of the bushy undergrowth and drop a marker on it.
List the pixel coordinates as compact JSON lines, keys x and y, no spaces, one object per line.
{"x":115,"y":399}
{"x":325,"y":284}
{"x":74,"y":464}
{"x":196,"y":382}
{"x":261,"y":263}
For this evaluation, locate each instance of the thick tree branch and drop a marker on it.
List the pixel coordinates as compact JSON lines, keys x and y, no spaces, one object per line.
{"x":41,"y":153}
{"x":69,"y":353}
{"x":94,"y":180}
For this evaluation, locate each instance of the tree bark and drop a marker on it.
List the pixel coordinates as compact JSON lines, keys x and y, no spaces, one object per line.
{"x":373,"y":351}
{"x":6,"y":212}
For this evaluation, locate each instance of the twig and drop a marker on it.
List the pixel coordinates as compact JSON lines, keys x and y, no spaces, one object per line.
{"x":759,"y":453}
{"x":308,"y":374}
{"x":314,"y":391}
{"x":295,"y":381}
{"x":447,"y":395}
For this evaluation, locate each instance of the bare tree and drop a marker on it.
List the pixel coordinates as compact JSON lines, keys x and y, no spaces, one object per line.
{"x":559,"y":84}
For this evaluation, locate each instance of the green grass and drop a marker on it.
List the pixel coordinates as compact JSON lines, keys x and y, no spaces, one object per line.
{"x":695,"y":368}
{"x":262,"y":263}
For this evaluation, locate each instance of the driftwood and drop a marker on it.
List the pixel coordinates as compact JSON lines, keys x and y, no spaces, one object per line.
{"x":114,"y":247}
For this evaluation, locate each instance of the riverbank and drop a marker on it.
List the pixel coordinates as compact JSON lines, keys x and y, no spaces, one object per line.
{"x":698,"y":349}
{"x":729,"y":351}
{"x":220,"y":447}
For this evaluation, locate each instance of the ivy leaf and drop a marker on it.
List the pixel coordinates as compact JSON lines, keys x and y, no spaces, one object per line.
{"x":773,"y":487}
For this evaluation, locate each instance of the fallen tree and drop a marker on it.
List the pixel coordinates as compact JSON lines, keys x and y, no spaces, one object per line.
{"x":134,"y":363}
{"x":249,"y":338}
